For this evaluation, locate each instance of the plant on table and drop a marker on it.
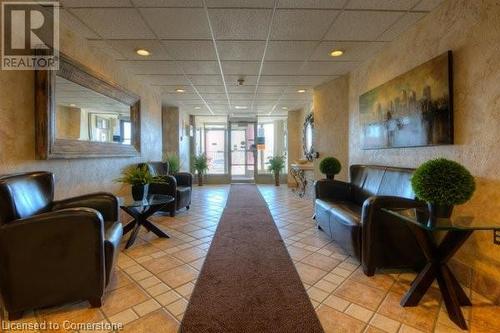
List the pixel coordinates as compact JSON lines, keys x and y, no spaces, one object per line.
{"x":174,"y":163}
{"x":200,"y":165}
{"x":330,"y":166}
{"x":443,"y":184}
{"x":139,"y":178}
{"x":276,"y":164}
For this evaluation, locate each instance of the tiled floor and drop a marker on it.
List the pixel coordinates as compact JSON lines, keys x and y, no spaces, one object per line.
{"x":155,"y":277}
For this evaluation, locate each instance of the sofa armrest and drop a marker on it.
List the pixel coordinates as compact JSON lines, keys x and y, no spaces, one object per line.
{"x":184,"y":179}
{"x":370,"y":217}
{"x":333,"y":190}
{"x":104,"y":203}
{"x":52,"y":255}
{"x":167,"y":187}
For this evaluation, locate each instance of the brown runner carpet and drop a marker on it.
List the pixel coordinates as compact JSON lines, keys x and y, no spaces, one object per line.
{"x":248,"y":282}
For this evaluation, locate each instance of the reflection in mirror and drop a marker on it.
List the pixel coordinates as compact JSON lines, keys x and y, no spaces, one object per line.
{"x":83,"y":114}
{"x":308,"y":137}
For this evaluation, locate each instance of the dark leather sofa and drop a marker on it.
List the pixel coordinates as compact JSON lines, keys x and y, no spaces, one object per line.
{"x":179,"y":185}
{"x":54,"y":252}
{"x":350,"y":213}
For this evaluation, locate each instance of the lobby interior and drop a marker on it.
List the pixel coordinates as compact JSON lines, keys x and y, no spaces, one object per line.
{"x":239,"y":82}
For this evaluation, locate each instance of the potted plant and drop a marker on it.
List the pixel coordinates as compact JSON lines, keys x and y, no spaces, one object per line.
{"x":200,"y":164}
{"x":276,"y":164}
{"x":139,"y":178}
{"x":330,"y":166}
{"x":443,"y":184}
{"x":174,"y":163}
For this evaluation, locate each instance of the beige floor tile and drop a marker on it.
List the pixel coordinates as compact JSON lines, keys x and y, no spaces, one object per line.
{"x":158,"y":289}
{"x":309,"y":274}
{"x":159,"y":321}
{"x":321,"y":261}
{"x":124,"y":317}
{"x":334,"y":321}
{"x":178,"y":276}
{"x":337,"y":303}
{"x":168,"y":297}
{"x":161,"y":264}
{"x":177,"y":307}
{"x":185,"y":290}
{"x":317,"y":294}
{"x":359,"y":312}
{"x":361,"y":294}
{"x":384,"y":323}
{"x":190,"y":254}
{"x":121,"y":299}
{"x":326,"y":286}
{"x":146,"y":307}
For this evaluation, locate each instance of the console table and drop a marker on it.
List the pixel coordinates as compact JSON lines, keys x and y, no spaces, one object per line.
{"x":303,"y":174}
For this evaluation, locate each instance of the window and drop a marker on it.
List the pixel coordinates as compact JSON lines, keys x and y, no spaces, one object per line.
{"x":271,"y":141}
{"x":210,"y":139}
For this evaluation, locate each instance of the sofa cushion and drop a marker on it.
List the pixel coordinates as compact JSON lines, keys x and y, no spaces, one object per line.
{"x":397,"y":182}
{"x":346,"y":212}
{"x":181,"y":190}
{"x":366,"y":181}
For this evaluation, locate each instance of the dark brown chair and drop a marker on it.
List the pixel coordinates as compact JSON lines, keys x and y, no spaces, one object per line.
{"x":179,"y":186}
{"x":54,"y":252}
{"x":350,"y":213}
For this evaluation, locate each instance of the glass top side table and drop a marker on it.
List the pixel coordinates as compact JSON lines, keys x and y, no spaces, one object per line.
{"x":141,"y":211}
{"x":458,"y":229}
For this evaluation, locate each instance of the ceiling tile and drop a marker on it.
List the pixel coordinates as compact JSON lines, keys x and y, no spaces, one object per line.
{"x":241,"y":50}
{"x":114,"y":23}
{"x":361,"y":25}
{"x":152,"y":67}
{"x":190,"y":50}
{"x":106,"y":48}
{"x":281,"y":68}
{"x":293,"y":80}
{"x":270,"y":89}
{"x":95,"y":3}
{"x":168,"y":80}
{"x":289,"y":50}
{"x":75,"y":25}
{"x":177,"y":23}
{"x":206,"y":80}
{"x":210,"y":89}
{"x":168,"y":3}
{"x":212,"y":97}
{"x":382,"y":4}
{"x":353,"y":51}
{"x":401,"y":26}
{"x":428,"y":5}
{"x":242,"y":97}
{"x":241,"y":67}
{"x":240,"y":3}
{"x":240,"y":23}
{"x":200,"y":67}
{"x":128,"y":49}
{"x":302,"y":24}
{"x":324,"y":4}
{"x":241,"y":89}
{"x":328,"y":68}
{"x":171,"y":89}
{"x":233,"y":79}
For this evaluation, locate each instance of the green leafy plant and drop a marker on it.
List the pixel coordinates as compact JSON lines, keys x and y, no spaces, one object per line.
{"x":443,"y":182}
{"x":330,"y":166}
{"x":174,"y":163}
{"x":134,"y":175}
{"x":276,"y":163}
{"x":200,"y":163}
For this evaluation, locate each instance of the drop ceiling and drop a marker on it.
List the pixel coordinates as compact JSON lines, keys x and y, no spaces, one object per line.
{"x":276,"y":46}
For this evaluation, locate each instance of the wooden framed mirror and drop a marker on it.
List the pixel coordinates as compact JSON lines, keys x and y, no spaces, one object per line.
{"x":308,"y":138}
{"x":80,"y":114}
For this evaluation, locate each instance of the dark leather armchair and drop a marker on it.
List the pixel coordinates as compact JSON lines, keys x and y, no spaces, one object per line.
{"x":350,"y":213}
{"x":54,"y":252}
{"x":179,"y":185}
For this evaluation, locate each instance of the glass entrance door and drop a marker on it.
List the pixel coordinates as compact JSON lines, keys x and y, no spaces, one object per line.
{"x":243,"y":151}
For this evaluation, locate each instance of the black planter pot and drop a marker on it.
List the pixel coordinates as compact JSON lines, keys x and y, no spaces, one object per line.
{"x":140,"y":192}
{"x":330,"y":177}
{"x":440,"y":211}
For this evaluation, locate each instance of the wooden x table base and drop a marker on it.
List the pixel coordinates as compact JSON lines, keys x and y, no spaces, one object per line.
{"x":437,"y":268}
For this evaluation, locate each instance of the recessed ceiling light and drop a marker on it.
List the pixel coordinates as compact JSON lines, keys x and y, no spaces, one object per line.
{"x":240,"y":107}
{"x":197,"y":107}
{"x":143,"y":52}
{"x":301,"y":91}
{"x":284,"y":108}
{"x":336,"y":53}
{"x":72,"y":105}
{"x":180,"y":90}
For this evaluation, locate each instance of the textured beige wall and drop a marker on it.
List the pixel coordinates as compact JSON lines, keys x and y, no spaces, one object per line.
{"x":67,"y":122}
{"x":331,"y":119}
{"x":471,"y":29}
{"x":17,"y":131}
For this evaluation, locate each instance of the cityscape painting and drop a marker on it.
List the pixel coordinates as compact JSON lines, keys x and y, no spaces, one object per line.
{"x":412,"y":110}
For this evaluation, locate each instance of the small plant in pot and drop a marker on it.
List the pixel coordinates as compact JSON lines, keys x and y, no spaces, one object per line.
{"x":330,"y":166}
{"x":139,"y":178}
{"x":443,"y":184}
{"x":200,"y":164}
{"x":276,"y":164}
{"x":174,"y":163}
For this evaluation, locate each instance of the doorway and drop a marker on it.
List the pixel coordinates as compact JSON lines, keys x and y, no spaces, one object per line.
{"x":242,"y":151}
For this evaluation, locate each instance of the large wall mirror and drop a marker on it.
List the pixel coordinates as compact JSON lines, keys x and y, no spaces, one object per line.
{"x":308,"y":138}
{"x":79,"y":114}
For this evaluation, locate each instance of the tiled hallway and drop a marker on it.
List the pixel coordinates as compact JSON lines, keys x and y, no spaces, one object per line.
{"x":155,"y":277}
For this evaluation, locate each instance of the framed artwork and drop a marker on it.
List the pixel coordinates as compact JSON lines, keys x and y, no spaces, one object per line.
{"x":414,"y":109}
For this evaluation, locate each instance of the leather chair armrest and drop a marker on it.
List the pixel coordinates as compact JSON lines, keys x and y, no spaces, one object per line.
{"x":333,"y":190}
{"x":105,"y":203}
{"x":168,"y":187}
{"x":369,"y":217}
{"x":184,"y":179}
{"x":52,"y":254}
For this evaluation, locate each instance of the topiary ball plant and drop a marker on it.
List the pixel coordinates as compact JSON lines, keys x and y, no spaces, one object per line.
{"x":330,"y":166}
{"x":443,"y":183}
